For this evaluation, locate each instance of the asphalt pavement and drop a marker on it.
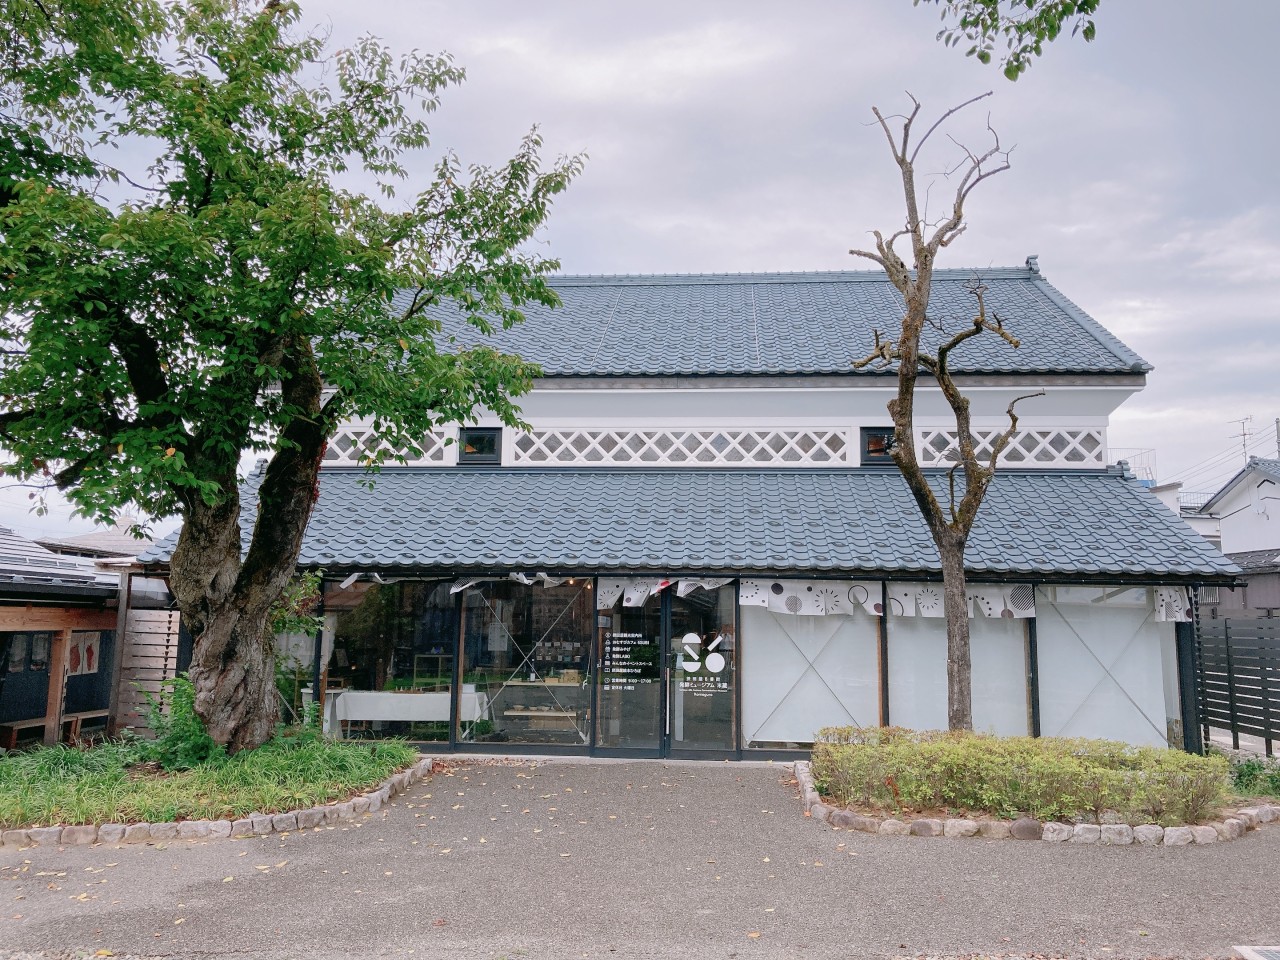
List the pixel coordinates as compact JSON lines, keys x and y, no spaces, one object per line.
{"x":559,"y":859}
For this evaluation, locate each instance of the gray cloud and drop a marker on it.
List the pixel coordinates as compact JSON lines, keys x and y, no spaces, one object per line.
{"x":735,"y":136}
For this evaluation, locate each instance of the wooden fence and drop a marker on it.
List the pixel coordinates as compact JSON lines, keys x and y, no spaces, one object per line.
{"x":150,"y":656}
{"x":1241,"y":670}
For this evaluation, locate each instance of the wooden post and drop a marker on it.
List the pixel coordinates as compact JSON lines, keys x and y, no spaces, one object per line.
{"x":117,"y":658}
{"x":57,"y":687}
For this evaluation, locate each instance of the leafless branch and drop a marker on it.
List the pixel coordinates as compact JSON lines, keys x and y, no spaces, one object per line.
{"x":943,"y":119}
{"x":998,"y":445}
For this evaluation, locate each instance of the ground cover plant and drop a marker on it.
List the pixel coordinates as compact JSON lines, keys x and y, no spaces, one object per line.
{"x":1049,"y":778}
{"x":1255,"y":776}
{"x":182,"y":774}
{"x":114,"y":783}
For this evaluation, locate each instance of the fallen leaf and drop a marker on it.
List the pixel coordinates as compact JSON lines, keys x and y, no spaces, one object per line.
{"x":227,"y":879}
{"x":754,"y":934}
{"x":180,"y":920}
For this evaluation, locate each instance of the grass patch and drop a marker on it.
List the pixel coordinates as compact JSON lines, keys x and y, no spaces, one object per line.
{"x":1048,"y":778}
{"x":115,"y":783}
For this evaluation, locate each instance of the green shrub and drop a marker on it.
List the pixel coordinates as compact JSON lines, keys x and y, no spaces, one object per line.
{"x":181,"y":740}
{"x":1047,"y":778}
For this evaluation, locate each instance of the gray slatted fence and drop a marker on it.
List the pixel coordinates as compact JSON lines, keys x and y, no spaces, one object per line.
{"x":1241,"y":664}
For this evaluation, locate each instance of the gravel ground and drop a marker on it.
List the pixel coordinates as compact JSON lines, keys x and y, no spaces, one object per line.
{"x":562,"y":859}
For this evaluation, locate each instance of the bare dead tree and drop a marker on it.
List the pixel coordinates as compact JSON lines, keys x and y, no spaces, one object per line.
{"x":949,"y":522}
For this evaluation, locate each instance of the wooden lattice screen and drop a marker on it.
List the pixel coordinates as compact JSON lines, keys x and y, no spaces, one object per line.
{"x":150,"y":656}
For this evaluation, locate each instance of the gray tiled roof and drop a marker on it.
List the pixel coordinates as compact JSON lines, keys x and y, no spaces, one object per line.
{"x":1257,"y":561}
{"x":25,"y":564}
{"x":1065,"y":524}
{"x":784,"y":323}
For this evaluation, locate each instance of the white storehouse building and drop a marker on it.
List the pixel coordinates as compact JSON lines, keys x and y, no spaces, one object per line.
{"x":701,"y":548}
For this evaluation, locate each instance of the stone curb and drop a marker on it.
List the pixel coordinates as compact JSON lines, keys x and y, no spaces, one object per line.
{"x":255,"y":824}
{"x":1233,"y":826}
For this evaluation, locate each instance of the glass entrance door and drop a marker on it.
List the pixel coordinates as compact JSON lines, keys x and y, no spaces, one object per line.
{"x":702,"y":710}
{"x":666,"y":670}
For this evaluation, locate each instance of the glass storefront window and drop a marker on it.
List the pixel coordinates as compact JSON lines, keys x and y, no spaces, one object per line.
{"x":526,"y":663}
{"x":390,"y":650}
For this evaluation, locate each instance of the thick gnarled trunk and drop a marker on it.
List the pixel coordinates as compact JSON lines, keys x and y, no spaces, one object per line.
{"x":226,"y":601}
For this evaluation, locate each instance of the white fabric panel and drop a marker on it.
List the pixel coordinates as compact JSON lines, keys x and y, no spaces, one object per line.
{"x":998,"y":652}
{"x":918,"y":672}
{"x":803,"y":673}
{"x":1101,"y":672}
{"x":811,"y":598}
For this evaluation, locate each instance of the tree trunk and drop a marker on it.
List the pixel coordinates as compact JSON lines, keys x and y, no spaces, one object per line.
{"x":956,"y":609}
{"x":226,"y":601}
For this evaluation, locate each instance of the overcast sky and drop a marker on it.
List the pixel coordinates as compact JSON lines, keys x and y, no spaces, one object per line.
{"x":734,"y":136}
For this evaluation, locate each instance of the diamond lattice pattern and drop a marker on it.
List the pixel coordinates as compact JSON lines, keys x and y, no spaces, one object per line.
{"x":1041,"y":447}
{"x":707,"y":448}
{"x":354,"y":445}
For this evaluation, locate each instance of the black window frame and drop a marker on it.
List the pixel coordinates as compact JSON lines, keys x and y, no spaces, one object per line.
{"x":868,"y":459}
{"x":479,"y":459}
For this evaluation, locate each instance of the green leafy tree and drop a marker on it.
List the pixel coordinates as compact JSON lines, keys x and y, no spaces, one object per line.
{"x":1025,"y":26}
{"x":188,"y":273}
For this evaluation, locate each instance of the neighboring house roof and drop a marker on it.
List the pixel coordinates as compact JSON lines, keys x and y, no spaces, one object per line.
{"x":112,"y":542}
{"x":1257,"y":561}
{"x":28,"y":569}
{"x":791,"y":323}
{"x":1269,"y":469}
{"x":1064,"y":525}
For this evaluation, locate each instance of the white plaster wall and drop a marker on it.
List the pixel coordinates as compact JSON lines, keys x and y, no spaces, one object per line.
{"x":1250,"y":516}
{"x":760,"y":401}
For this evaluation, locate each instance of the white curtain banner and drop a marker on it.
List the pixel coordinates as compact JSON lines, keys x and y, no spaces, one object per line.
{"x":902,"y":599}
{"x":608,"y":592}
{"x":636,"y":592}
{"x":811,"y":598}
{"x":1172,"y":605}
{"x":686,"y":587}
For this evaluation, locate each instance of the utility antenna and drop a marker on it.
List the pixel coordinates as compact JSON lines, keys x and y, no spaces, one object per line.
{"x":1243,"y":435}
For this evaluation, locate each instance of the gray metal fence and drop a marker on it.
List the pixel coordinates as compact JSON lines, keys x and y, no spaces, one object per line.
{"x":1240,"y":660}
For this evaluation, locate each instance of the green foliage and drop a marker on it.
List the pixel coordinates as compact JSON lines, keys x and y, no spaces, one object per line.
{"x":1048,"y":778}
{"x":181,"y":741}
{"x":1024,"y":25}
{"x":294,"y":612}
{"x":158,"y":306}
{"x":104,"y":784}
{"x":1256,"y":776}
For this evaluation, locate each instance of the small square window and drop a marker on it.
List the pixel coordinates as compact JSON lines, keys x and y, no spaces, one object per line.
{"x":480,"y":445}
{"x":876,"y":444}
